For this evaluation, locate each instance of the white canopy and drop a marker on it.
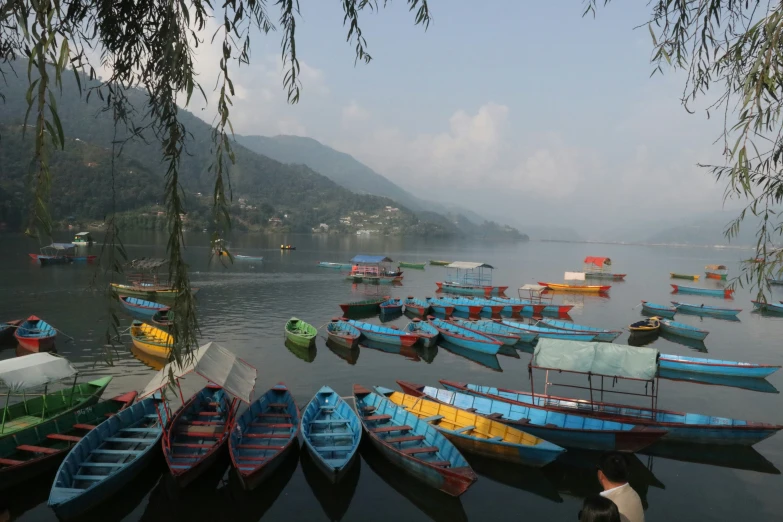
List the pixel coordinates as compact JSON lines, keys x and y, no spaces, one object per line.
{"x":216,"y":364}
{"x":577,"y":276}
{"x":37,"y":369}
{"x":533,"y":288}
{"x":467,"y":265}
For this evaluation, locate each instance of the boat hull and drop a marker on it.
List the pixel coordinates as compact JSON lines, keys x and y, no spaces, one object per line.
{"x":486,"y":345}
{"x":683,"y":276}
{"x":688,"y":333}
{"x":606,"y":336}
{"x":768,"y":307}
{"x":713,"y":275}
{"x":725,"y":293}
{"x":605,"y":275}
{"x":707,"y":310}
{"x":663,"y":311}
{"x":715,"y":368}
{"x":486,"y":291}
{"x":362,"y":308}
{"x":585,"y":289}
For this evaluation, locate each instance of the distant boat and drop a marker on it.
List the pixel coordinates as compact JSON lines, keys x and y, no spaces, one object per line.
{"x":150,"y":340}
{"x":716,"y":272}
{"x":148,"y":291}
{"x":602,"y":335}
{"x":343,"y":333}
{"x":287,"y":247}
{"x":683,"y":330}
{"x":776,"y":308}
{"x":460,"y":288}
{"x":675,"y":275}
{"x":60,"y":254}
{"x":658,"y":309}
{"x":416,"y":306}
{"x":384,"y":334}
{"x":417,"y":266}
{"x":440,"y":307}
{"x":551,"y":333}
{"x":141,"y":307}
{"x":240,"y":257}
{"x":490,"y":329}
{"x":465,"y":338}
{"x":426,"y":333}
{"x":726,"y":293}
{"x":713,"y":311}
{"x":362,"y":307}
{"x":82,"y":239}
{"x":645,"y":326}
{"x":716,"y":367}
{"x":300,"y":332}
{"x":35,"y":335}
{"x":391,"y":306}
{"x":337,"y":266}
{"x":435,"y":262}
{"x":594,"y":269}
{"x":590,"y":289}
{"x":530,"y":307}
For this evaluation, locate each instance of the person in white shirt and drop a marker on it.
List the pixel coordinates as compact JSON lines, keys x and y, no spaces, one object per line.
{"x":613,"y":476}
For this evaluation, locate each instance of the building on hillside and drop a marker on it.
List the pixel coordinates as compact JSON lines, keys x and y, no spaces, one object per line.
{"x":323,"y":228}
{"x":345,"y":220}
{"x":275,"y":222}
{"x":391,"y":209}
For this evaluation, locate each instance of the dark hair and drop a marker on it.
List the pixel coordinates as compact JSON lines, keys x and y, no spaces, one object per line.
{"x":599,"y":509}
{"x":614,"y":467}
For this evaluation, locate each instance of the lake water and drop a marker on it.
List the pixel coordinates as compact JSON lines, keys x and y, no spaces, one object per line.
{"x":245,"y":307}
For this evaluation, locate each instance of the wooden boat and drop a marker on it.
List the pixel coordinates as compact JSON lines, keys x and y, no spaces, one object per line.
{"x":416,"y":306}
{"x":725,"y":293}
{"x":768,"y":307}
{"x":465,"y":306}
{"x":299,"y":332}
{"x":140,"y":307}
{"x":148,"y":291}
{"x":529,"y":307}
{"x":459,"y":288}
{"x":675,"y":275}
{"x":287,"y":247}
{"x":591,"y":289}
{"x":436,"y":262}
{"x":411,"y":444}
{"x":31,"y":453}
{"x":440,"y":307}
{"x":488,"y":306}
{"x":343,"y":333}
{"x":719,"y":272}
{"x":163,"y":317}
{"x":362,"y":307}
{"x":683,"y":330}
{"x":82,"y":239}
{"x":107,"y":458}
{"x":550,"y":333}
{"x":384,"y":334}
{"x":595,"y":269}
{"x":427,"y":335}
{"x":713,"y":311}
{"x":570,"y":430}
{"x":681,"y":427}
{"x":645,"y":326}
{"x":417,"y":266}
{"x":337,"y":266}
{"x":7,"y":331}
{"x":391,"y":306}
{"x":602,"y":335}
{"x":658,"y":309}
{"x":716,"y":367}
{"x":490,"y":329}
{"x":465,"y":338}
{"x":60,"y":254}
{"x":332,"y":432}
{"x":264,"y":435}
{"x":197,"y":433}
{"x":240,"y":257}
{"x":524,"y":336}
{"x":35,"y":335}
{"x":151,"y":340}
{"x":476,"y":434}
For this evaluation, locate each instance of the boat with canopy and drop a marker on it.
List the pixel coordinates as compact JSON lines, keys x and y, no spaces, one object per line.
{"x":598,"y":268}
{"x":373,"y":269}
{"x":467,"y":277}
{"x":719,"y":272}
{"x":570,"y":287}
{"x":60,"y":254}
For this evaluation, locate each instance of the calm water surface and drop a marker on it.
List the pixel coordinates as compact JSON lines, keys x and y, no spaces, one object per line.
{"x":245,"y":307}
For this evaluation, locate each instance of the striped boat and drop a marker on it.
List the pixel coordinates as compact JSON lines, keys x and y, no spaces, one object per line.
{"x":602,"y":335}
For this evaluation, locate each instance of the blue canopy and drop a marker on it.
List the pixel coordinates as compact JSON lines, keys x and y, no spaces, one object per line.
{"x":370,"y":259}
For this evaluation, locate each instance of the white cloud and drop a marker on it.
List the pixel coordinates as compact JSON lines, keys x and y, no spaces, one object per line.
{"x":354,"y":114}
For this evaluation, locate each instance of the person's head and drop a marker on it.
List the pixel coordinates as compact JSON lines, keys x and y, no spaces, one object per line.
{"x":599,"y":509}
{"x":612,"y":470}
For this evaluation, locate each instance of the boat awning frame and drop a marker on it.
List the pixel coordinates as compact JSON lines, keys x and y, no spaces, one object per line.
{"x":62,"y":246}
{"x":468,"y":265}
{"x":214,"y":363}
{"x":593,"y":358}
{"x":370,"y":260}
{"x":598,"y":261}
{"x":37,"y":369}
{"x":715,"y":267}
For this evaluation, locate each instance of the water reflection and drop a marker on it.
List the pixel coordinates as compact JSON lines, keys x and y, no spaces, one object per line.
{"x":349,"y":355}
{"x":306,"y":353}
{"x":387,"y":317}
{"x":121,"y":505}
{"x":734,"y":457}
{"x":428,"y":353}
{"x":508,"y":351}
{"x":642,"y":339}
{"x":18,"y":500}
{"x":484,"y":359}
{"x":432,"y":502}
{"x":746,"y":383}
{"x":699,"y":346}
{"x":524,"y":478}
{"x":333,"y":498}
{"x":408,"y":352}
{"x":156,"y":363}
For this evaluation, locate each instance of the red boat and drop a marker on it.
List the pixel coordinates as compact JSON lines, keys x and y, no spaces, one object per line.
{"x":7,"y":331}
{"x":35,"y":335}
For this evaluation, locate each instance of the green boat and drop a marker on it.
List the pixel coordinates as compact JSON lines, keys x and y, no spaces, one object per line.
{"x":683,"y":276}
{"x":299,"y":332}
{"x":369,"y":306}
{"x":436,"y":262}
{"x":417,"y":266}
{"x":30,"y":453}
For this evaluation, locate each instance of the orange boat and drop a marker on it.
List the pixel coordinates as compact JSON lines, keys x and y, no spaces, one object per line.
{"x":591,"y":289}
{"x":716,"y":272}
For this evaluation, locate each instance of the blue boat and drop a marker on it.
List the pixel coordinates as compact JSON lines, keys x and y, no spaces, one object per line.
{"x":466,"y":338}
{"x":659,"y":310}
{"x":725,"y":293}
{"x":524,"y":337}
{"x":35,"y":335}
{"x":264,"y":435}
{"x":331,"y":432}
{"x":712,"y":311}
{"x":427,"y":334}
{"x":716,"y":367}
{"x":440,"y":307}
{"x":775,"y":308}
{"x":551,"y":333}
{"x":416,"y":306}
{"x":693,"y":428}
{"x":198,"y":432}
{"x":392,"y":306}
{"x":337,"y":266}
{"x":240,"y":257}
{"x":475,"y":306}
{"x":775,"y":282}
{"x":684,"y":330}
{"x":564,"y":429}
{"x":140,"y":307}
{"x":343,"y":333}
{"x":103,"y":461}
{"x":383,"y":334}
{"x":528,"y":307}
{"x":490,"y":329}
{"x":606,"y":336}
{"x":412,"y":444}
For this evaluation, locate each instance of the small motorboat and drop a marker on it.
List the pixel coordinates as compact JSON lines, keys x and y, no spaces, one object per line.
{"x":645,"y":326}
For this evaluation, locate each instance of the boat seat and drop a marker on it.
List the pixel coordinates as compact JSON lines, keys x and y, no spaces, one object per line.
{"x":151,"y":416}
{"x":406,"y":438}
{"x":90,"y":477}
{"x":464,"y":429}
{"x":495,"y":439}
{"x":140,"y":430}
{"x":58,"y":436}
{"x":116,"y":452}
{"x":278,"y":405}
{"x":211,"y":404}
{"x":332,"y":421}
{"x":84,"y":426}
{"x":433,"y":418}
{"x":331,"y":434}
{"x":190,"y":445}
{"x":377,"y":417}
{"x":128,"y":440}
{"x":37,"y":449}
{"x":332,"y":448}
{"x":495,"y":416}
{"x":254,"y":459}
{"x":259,"y":447}
{"x":209,"y":414}
{"x":424,"y":449}
{"x":11,"y":462}
{"x":387,"y":429}
{"x":102,"y":464}
{"x":439,"y":463}
{"x":368,"y":408}
{"x":200,"y":434}
{"x":273,"y":426}
{"x":273,"y":415}
{"x":267,"y":435}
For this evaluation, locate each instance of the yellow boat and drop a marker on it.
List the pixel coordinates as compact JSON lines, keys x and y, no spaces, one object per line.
{"x":477,"y":434}
{"x":149,"y":292}
{"x":151,"y":340}
{"x":592,"y":289}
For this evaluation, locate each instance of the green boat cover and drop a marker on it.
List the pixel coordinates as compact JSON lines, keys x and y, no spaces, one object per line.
{"x":611,"y":360}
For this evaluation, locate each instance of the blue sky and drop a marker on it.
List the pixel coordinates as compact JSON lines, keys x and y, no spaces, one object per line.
{"x":525,"y":111}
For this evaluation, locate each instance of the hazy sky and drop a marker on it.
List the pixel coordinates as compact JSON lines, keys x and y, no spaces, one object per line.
{"x":521,"y":110}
